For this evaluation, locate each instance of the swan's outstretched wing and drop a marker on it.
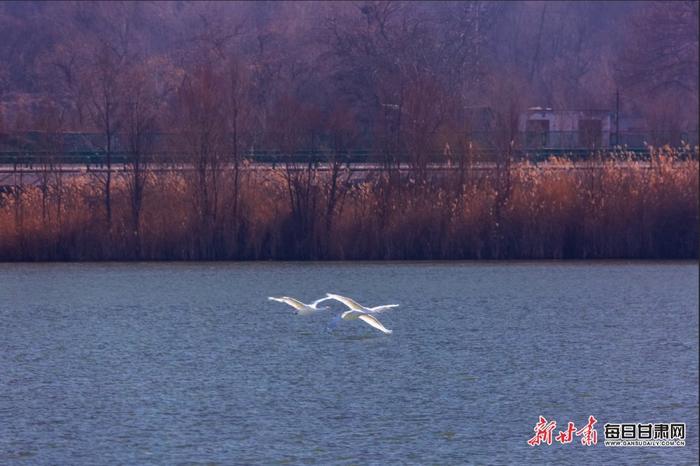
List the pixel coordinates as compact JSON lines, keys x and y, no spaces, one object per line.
{"x":298,"y":305}
{"x":371,"y":320}
{"x":382,"y":308}
{"x":347,"y":301}
{"x":318,"y":301}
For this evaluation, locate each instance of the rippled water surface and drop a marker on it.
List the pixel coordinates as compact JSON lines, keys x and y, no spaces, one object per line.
{"x":191,"y":364}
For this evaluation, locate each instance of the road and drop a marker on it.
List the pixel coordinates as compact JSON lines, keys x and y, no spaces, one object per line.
{"x":25,"y":175}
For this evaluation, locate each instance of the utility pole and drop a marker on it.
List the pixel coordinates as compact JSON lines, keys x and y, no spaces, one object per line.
{"x":535,"y":59}
{"x":617,"y":116}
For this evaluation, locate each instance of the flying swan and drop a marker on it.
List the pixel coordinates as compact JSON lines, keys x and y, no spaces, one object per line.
{"x":301,"y":308}
{"x":355,"y":306}
{"x":358,"y":311}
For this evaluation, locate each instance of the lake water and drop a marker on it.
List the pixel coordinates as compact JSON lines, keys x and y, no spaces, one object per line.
{"x":191,"y":364}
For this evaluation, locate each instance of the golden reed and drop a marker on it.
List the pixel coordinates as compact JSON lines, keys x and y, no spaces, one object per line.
{"x":558,"y":210}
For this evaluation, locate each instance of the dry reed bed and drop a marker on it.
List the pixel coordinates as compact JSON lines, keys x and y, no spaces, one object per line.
{"x":611,"y":210}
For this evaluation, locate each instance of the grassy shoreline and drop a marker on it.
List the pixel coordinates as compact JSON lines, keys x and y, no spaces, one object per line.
{"x":607,"y":211}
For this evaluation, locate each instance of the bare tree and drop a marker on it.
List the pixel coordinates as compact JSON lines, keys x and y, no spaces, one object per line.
{"x":426,"y":109}
{"x":139,"y":116}
{"x":662,"y":51}
{"x":343,"y":137}
{"x":293,"y":125}
{"x":659,"y":63}
{"x":50,"y":150}
{"x":103,"y":91}
{"x":203,"y":133}
{"x":236,"y":106}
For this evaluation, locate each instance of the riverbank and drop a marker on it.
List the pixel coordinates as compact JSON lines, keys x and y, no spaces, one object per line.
{"x":600,"y":211}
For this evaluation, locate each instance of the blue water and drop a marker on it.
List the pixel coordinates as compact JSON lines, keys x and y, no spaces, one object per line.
{"x":191,"y":364}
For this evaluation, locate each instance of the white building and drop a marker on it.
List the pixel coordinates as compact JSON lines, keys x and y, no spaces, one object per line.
{"x":566,"y":129}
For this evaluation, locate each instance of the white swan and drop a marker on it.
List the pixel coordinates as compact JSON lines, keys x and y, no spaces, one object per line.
{"x":355,"y":306}
{"x":357,"y":311}
{"x":301,"y":308}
